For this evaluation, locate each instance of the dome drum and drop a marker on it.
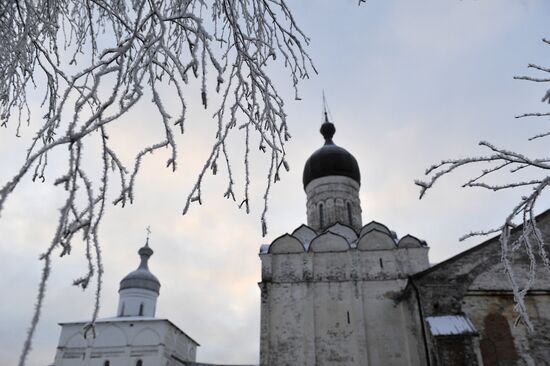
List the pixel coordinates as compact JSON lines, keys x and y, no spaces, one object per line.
{"x":331,"y":200}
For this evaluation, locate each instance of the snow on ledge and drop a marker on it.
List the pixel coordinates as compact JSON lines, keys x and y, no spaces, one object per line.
{"x":450,"y":325}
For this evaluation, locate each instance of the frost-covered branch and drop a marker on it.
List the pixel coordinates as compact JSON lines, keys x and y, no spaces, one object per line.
{"x":529,"y":241}
{"x":92,"y":61}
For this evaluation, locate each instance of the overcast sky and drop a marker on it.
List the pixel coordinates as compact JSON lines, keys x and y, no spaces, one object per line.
{"x":408,"y":83}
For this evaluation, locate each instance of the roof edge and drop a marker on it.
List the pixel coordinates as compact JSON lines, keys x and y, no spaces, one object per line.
{"x":472,"y":249}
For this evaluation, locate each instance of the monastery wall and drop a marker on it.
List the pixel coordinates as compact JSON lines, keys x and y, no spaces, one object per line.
{"x":474,"y":284}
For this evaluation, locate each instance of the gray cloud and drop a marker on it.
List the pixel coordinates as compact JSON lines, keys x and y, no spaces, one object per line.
{"x":409,"y":83}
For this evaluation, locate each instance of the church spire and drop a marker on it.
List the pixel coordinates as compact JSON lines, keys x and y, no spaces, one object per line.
{"x":327,"y":128}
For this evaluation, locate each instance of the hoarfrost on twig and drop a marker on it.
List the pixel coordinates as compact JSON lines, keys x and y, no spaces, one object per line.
{"x":528,"y":241}
{"x":135,"y":47}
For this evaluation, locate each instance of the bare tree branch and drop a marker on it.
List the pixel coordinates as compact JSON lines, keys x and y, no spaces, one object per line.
{"x":529,"y":242}
{"x":95,"y":60}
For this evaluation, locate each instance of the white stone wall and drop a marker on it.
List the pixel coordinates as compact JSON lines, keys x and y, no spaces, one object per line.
{"x":137,"y":302}
{"x":153,"y":341}
{"x":331,"y":195}
{"x":337,"y":303}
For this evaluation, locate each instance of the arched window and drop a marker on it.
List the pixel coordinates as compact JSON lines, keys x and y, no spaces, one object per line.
{"x":141,"y":309}
{"x":497,"y":344}
{"x":350,"y":218}
{"x":139,"y":363}
{"x":107,"y":363}
{"x":321,"y":216}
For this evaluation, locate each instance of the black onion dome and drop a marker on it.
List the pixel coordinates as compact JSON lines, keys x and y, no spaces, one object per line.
{"x":330,"y":159}
{"x":142,"y":278}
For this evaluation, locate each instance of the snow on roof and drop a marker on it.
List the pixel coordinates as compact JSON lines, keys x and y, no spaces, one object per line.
{"x":119,"y":319}
{"x":130,"y":319}
{"x":264,"y":248}
{"x":450,"y":325}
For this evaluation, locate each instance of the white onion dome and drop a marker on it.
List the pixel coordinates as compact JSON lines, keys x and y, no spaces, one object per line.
{"x":330,"y":159}
{"x":141,"y":278}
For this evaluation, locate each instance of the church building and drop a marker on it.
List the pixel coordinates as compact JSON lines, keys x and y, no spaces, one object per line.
{"x":134,"y":337}
{"x":336,"y":292}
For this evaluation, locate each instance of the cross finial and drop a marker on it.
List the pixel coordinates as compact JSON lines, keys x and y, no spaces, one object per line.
{"x":148,"y":234}
{"x":325,"y":109}
{"x":145,"y":252}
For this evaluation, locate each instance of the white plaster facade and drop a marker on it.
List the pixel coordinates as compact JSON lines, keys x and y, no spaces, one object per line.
{"x":137,"y":302}
{"x":333,"y":300}
{"x":125,"y":342}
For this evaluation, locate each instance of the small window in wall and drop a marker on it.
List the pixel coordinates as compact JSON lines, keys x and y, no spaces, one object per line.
{"x":141,"y":309}
{"x":350,"y":218}
{"x":321,"y":216}
{"x":139,"y":363}
{"x":381,"y":263}
{"x":121,"y":310}
{"x":107,"y":363}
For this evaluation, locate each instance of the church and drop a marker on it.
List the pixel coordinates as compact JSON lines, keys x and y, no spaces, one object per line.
{"x":336,"y":292}
{"x":134,"y":336}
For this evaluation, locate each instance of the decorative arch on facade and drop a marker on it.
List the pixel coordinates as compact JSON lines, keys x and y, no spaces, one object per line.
{"x":286,"y":244}
{"x":146,"y":337}
{"x":77,"y":340}
{"x":375,"y":225}
{"x":376,"y":240}
{"x":329,"y":242}
{"x":409,"y":241}
{"x":345,"y":231}
{"x":305,"y":234}
{"x":111,"y":336}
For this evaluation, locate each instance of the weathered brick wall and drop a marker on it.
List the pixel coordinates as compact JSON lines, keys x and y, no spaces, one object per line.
{"x":455,"y":351}
{"x":474,"y":284}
